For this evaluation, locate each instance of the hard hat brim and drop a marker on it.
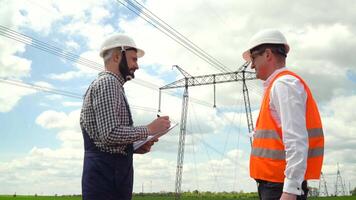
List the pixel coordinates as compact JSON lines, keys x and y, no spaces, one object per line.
{"x":140,"y":52}
{"x":247,"y":54}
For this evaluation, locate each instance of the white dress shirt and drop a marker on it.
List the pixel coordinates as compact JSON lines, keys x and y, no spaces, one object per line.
{"x":288,"y":105}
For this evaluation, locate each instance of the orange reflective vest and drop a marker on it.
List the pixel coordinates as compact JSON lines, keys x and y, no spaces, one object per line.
{"x":267,"y":160}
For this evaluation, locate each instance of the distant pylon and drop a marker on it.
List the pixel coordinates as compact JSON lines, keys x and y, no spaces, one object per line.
{"x":323,"y":189}
{"x":339,"y":185}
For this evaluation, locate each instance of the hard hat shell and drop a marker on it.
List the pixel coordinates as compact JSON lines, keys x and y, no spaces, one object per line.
{"x":267,"y":36}
{"x":120,"y":40}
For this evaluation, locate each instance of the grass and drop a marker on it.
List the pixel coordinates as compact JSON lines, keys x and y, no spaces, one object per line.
{"x":162,"y":197}
{"x":20,"y":197}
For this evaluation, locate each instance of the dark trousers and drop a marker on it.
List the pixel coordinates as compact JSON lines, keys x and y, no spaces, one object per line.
{"x":273,"y":191}
{"x":107,"y":177}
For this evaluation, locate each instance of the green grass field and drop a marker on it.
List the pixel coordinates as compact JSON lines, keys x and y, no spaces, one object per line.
{"x":161,"y":197}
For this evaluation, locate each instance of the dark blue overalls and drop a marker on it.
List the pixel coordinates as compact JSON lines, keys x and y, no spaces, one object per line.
{"x":107,"y":176}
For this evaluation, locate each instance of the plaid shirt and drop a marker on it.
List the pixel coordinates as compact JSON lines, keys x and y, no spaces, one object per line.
{"x":106,"y":115}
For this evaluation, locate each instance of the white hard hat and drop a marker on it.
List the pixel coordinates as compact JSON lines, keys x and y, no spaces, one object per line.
{"x":267,"y":36}
{"x":120,"y":40}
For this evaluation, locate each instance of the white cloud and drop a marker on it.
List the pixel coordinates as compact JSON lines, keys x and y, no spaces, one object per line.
{"x":90,"y":31}
{"x":340,"y":137}
{"x":98,"y":14}
{"x":10,"y":95}
{"x":66,"y":75}
{"x":53,"y":119}
{"x":70,"y":8}
{"x":31,"y":13}
{"x":84,"y":68}
{"x":47,"y":170}
{"x":12,"y":64}
{"x":72,"y":45}
{"x":208,"y":175}
{"x":72,"y":139}
{"x":10,"y":9}
{"x":340,"y":140}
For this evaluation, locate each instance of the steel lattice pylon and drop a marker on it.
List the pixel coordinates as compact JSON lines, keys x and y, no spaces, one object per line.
{"x":323,"y":189}
{"x":183,"y":131}
{"x":189,"y":81}
{"x":339,"y":185}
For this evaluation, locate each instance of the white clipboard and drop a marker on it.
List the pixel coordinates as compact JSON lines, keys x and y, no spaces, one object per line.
{"x":139,"y":143}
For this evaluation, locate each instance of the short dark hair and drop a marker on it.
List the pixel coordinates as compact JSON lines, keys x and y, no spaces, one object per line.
{"x":131,"y":48}
{"x":275,"y":48}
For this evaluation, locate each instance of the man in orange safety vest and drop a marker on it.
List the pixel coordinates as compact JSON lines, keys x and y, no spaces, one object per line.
{"x":288,"y":142}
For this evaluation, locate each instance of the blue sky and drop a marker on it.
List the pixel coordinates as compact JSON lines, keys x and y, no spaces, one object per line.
{"x":41,"y":146}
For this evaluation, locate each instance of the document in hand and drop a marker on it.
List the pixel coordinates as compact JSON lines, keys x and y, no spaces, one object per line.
{"x":139,"y":143}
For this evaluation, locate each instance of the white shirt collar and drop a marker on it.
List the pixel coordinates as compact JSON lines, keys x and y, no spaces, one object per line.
{"x":269,"y":79}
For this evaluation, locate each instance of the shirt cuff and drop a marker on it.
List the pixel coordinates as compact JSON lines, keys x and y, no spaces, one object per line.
{"x":292,"y":187}
{"x":143,"y":130}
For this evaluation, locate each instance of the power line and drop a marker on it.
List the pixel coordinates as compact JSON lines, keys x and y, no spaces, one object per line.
{"x":83,"y":61}
{"x":22,"y":38}
{"x":191,"y":43}
{"x":35,"y":43}
{"x":191,"y":46}
{"x":172,"y":33}
{"x":40,"y":88}
{"x":154,"y":18}
{"x":76,"y":95}
{"x":9,"y":33}
{"x":60,"y":92}
{"x":196,"y":47}
{"x":43,"y":46}
{"x":176,"y":40}
{"x":168,"y":30}
{"x":207,"y":145}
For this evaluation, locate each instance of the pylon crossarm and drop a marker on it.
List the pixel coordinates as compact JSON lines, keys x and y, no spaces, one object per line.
{"x":210,"y":79}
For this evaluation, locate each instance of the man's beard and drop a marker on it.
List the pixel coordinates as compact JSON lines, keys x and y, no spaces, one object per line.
{"x":124,"y":68}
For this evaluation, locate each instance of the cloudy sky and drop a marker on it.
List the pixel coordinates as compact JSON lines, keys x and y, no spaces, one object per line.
{"x":41,"y":148}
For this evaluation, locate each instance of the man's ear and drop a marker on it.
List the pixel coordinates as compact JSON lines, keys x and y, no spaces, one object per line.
{"x":269,"y":54}
{"x":116,"y":56}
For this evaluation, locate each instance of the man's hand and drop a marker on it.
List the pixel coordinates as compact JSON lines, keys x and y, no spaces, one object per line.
{"x":146,"y":147}
{"x":159,"y":125}
{"x":288,"y":196}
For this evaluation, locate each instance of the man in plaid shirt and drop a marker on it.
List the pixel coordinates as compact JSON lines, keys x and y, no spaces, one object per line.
{"x":107,"y":125}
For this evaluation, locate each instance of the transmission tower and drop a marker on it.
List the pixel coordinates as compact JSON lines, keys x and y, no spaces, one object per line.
{"x":323,"y":189}
{"x":339,"y":185}
{"x":212,"y":79}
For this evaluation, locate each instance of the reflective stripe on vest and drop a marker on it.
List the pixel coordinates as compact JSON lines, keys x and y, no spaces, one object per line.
{"x":281,"y":155}
{"x":314,"y":132}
